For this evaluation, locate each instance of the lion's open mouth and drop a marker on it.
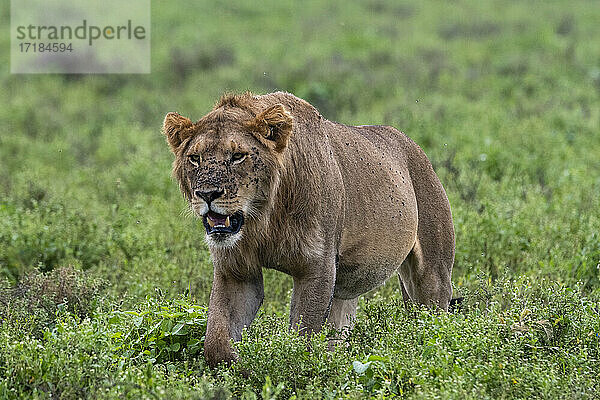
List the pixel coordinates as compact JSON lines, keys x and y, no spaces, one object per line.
{"x":223,"y":224}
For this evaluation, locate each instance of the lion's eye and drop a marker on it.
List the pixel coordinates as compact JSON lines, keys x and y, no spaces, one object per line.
{"x":194,"y":159}
{"x":238,"y":157}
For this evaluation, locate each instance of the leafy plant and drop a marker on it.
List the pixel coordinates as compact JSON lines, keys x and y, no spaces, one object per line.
{"x":33,"y":305}
{"x":160,"y":332}
{"x":372,"y":373}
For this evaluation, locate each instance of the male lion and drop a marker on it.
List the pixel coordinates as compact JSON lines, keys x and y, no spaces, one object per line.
{"x":339,"y":208}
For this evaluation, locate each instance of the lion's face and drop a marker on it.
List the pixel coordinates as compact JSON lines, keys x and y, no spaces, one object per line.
{"x":227,"y":168}
{"x":228,"y":180}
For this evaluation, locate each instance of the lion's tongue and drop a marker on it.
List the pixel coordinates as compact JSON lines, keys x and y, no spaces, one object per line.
{"x":215,"y":219}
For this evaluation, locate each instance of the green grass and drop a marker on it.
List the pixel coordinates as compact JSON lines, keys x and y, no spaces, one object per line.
{"x":502,"y":95}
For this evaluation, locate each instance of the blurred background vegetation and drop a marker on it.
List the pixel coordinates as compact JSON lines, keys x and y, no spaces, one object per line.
{"x":503,"y":96}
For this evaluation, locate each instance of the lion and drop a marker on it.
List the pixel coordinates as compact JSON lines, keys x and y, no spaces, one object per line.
{"x":338,"y":208}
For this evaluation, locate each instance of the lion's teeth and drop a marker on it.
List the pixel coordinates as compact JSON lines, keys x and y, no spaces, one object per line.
{"x":210,"y":222}
{"x":227,"y":222}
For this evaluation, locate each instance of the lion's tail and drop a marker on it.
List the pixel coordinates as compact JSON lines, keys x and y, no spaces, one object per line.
{"x":455,"y":304}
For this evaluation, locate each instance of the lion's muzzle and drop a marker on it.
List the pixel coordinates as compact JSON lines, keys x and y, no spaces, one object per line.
{"x":222,"y":225}
{"x":209,"y":196}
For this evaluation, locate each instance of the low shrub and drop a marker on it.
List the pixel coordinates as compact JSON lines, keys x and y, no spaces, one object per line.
{"x":33,"y":304}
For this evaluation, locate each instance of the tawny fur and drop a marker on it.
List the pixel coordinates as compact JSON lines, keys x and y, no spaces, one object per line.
{"x":339,"y":208}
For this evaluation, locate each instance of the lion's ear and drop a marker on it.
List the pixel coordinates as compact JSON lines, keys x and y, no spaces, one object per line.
{"x":275,"y":125}
{"x":176,"y":129}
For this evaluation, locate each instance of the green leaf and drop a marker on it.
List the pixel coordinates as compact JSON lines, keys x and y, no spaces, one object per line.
{"x":374,"y":357}
{"x":137,"y":321}
{"x":166,"y":325}
{"x":179,"y":329}
{"x":360,"y":368}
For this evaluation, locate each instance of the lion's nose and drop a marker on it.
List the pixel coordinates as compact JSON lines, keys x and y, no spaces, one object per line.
{"x":209,"y":196}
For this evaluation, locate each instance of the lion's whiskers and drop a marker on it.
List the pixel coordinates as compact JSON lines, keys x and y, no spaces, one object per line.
{"x":187,"y":212}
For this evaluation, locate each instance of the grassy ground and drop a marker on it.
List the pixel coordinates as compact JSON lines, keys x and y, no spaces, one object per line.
{"x":503,"y":96}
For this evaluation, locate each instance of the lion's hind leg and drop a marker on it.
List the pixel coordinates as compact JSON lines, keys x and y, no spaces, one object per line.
{"x":341,"y":318}
{"x":427,"y":270}
{"x":425,"y":277}
{"x":342,"y":313}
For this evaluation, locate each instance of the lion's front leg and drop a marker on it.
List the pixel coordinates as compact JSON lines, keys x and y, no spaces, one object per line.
{"x":232,"y":306}
{"x":311,"y":300}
